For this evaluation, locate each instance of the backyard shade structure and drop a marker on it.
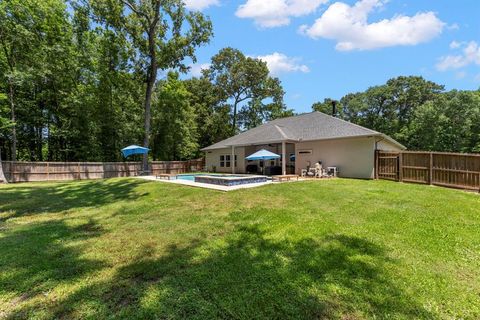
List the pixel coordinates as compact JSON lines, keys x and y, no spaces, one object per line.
{"x":131,"y":150}
{"x":263,"y":155}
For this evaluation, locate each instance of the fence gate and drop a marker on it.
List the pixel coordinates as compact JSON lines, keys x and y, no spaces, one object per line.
{"x":387,"y":165}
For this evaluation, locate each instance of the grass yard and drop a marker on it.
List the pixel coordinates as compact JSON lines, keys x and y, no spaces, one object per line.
{"x":337,"y":249}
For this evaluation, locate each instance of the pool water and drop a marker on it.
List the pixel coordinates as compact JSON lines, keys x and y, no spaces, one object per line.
{"x":191,"y":177}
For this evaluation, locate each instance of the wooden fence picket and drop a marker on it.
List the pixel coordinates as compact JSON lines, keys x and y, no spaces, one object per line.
{"x":456,"y":170}
{"x":45,"y":171}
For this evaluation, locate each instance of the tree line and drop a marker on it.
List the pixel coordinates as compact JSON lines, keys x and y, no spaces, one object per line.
{"x":80,"y":79}
{"x":418,"y":113}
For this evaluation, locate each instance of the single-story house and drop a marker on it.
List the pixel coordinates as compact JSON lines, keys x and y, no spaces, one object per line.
{"x":302,"y":141}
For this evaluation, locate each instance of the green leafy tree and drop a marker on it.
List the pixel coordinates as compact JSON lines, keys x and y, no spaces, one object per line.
{"x":163,"y":34}
{"x":387,"y":108}
{"x":34,"y":37}
{"x":257,"y":112}
{"x":212,"y":114}
{"x":327,"y":107}
{"x":174,"y":122}
{"x":245,"y":83}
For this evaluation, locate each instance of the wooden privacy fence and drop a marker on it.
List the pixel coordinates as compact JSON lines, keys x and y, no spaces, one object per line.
{"x":454,"y":170}
{"x":175,"y":167}
{"x":53,"y":171}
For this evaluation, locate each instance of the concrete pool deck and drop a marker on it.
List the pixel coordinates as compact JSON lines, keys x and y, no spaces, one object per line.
{"x":207,"y":185}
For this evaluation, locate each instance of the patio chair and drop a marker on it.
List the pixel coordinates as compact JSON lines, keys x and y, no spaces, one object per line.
{"x":318,"y":171}
{"x":309,"y":172}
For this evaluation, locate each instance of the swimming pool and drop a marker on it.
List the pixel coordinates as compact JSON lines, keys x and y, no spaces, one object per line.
{"x":222,"y":179}
{"x":191,"y":177}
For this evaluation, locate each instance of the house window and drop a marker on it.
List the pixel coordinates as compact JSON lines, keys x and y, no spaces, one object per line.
{"x":222,"y":161}
{"x":227,"y":161}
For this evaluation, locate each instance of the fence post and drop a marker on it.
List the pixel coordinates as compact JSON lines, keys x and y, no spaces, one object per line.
{"x":376,"y":164}
{"x":48,"y":171}
{"x":400,"y":167}
{"x":430,"y":170}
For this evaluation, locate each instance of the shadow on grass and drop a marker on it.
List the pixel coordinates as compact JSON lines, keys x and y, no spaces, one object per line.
{"x":249,"y":276}
{"x":19,"y":200}
{"x":35,"y":258}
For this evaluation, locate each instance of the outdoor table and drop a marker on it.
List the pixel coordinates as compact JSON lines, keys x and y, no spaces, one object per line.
{"x":334,"y":169}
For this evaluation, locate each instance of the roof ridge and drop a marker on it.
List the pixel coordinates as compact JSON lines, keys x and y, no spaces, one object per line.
{"x":281,"y":132}
{"x":351,"y":123}
{"x":290,"y":117}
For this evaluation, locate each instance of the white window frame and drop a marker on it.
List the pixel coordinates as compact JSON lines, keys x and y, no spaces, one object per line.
{"x":222,"y":161}
{"x":228,"y":161}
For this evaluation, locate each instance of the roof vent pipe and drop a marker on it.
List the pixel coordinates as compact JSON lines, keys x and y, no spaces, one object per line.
{"x":334,"y":108}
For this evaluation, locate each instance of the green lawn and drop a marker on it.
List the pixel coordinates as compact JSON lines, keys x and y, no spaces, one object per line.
{"x":340,"y":249}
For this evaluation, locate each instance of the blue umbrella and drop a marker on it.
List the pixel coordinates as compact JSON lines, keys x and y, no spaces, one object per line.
{"x":263,"y":155}
{"x":130,"y":150}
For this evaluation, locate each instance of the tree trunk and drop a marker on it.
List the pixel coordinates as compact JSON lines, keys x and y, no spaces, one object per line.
{"x":234,"y":122}
{"x":146,"y":139}
{"x":13,"y":119}
{"x":151,"y":79}
{"x":2,"y":175}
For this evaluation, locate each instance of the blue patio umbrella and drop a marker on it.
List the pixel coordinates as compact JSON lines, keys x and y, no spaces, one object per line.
{"x":263,"y":155}
{"x":131,"y":150}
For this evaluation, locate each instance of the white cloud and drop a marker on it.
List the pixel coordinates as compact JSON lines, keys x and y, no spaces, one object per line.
{"x":279,"y":63}
{"x":470,"y":55}
{"x":454,"y":26}
{"x":349,"y":26}
{"x":200,"y":4}
{"x":196,"y":69}
{"x":276,"y":13}
{"x":455,"y":45}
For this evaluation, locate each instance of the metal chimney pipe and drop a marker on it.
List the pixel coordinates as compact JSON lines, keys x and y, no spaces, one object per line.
{"x":334,"y":108}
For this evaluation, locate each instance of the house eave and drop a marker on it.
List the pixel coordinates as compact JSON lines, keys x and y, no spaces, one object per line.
{"x":373,"y":134}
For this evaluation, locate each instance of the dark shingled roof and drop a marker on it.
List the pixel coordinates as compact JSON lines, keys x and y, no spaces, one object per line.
{"x":304,"y":127}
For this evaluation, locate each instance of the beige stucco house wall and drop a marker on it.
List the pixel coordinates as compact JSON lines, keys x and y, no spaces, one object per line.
{"x":354,"y":157}
{"x":212,"y":160}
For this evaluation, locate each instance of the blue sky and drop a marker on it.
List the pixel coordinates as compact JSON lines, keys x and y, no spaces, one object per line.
{"x":321,"y":48}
